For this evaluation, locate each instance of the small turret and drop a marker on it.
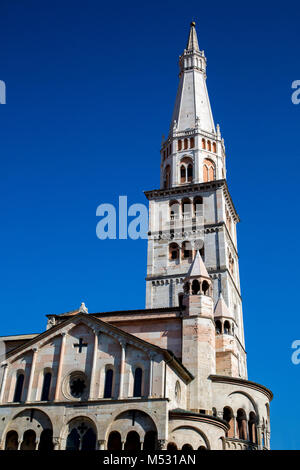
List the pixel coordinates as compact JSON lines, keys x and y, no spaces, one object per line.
{"x":198,"y":352}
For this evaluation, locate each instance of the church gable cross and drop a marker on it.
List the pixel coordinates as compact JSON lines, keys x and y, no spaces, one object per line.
{"x":80,"y":345}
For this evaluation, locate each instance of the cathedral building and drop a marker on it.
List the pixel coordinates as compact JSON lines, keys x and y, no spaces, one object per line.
{"x":170,"y":376}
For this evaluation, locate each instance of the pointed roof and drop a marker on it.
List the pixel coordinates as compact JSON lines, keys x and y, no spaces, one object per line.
{"x":221,"y":309}
{"x":192,"y":106}
{"x":193,"y":40}
{"x":197,"y":268}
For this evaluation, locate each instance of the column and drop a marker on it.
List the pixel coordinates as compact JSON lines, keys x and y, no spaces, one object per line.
{"x":259,"y":440}
{"x":151,"y":356}
{"x":5,"y":367}
{"x":101,"y":445}
{"x":31,"y":377}
{"x":56,"y":443}
{"x":122,"y":368}
{"x":60,"y":364}
{"x":161,"y":444}
{"x":94,"y":367}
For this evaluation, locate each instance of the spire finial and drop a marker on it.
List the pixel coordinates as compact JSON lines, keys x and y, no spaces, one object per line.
{"x":193,"y":40}
{"x":83,"y":308}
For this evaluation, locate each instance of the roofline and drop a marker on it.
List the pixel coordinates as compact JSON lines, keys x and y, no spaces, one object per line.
{"x":166,"y":353}
{"x":191,"y":415}
{"x":243,"y":382}
{"x":16,"y":337}
{"x":120,"y":312}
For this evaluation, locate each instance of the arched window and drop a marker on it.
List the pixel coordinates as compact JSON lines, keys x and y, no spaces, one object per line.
{"x":167,"y":175}
{"x":88,"y":440}
{"x":192,"y":142}
{"x":203,"y":144}
{"x":209,"y":145}
{"x":214,"y":412}
{"x":205,"y":288}
{"x":186,"y":250}
{"x":228,"y":416}
{"x":73,"y":440}
{"x":11,"y":442}
{"x":174,"y":210}
{"x":132,"y":443}
{"x":242,"y":424}
{"x":252,"y":427}
{"x":19,"y":387}
{"x":109,"y":375}
{"x":114,"y":442}
{"x":150,"y":441}
{"x":173,"y":252}
{"x":182,"y":174}
{"x":218,"y":327}
{"x":198,"y":206}
{"x":46,"y":386}
{"x":186,"y":144}
{"x":180,"y":299}
{"x":82,"y":436}
{"x":137,"y":386}
{"x":214,"y":147}
{"x":171,"y":447}
{"x":186,"y":170}
{"x":190,"y":172}
{"x":177,"y":391}
{"x":208,"y":170}
{"x":186,"y":287}
{"x":28,"y":440}
{"x":195,"y":287}
{"x":226,"y":328}
{"x":179,"y":145}
{"x":46,"y":442}
{"x":187,"y":448}
{"x":186,"y":208}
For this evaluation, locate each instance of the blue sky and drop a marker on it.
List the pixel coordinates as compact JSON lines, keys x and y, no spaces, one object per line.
{"x":90,"y":91}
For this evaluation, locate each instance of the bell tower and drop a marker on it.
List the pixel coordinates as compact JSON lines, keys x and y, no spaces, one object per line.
{"x":193,"y":211}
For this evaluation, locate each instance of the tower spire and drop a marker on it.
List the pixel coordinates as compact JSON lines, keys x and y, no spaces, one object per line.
{"x":192,"y":107}
{"x":192,"y":43}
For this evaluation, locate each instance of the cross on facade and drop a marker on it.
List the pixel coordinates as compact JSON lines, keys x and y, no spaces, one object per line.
{"x":82,"y":428}
{"x":80,"y":345}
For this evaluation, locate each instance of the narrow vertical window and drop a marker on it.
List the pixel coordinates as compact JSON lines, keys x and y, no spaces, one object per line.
{"x":190,"y":173}
{"x":108,"y":383}
{"x":46,"y":386}
{"x":19,"y":388}
{"x":137,"y":388}
{"x":182,"y":174}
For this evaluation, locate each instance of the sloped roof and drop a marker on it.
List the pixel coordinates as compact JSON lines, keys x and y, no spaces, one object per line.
{"x":197,"y":268}
{"x":131,"y":339}
{"x":221,"y":309}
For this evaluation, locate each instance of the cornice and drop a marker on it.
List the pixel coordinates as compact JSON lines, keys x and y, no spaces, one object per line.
{"x":243,"y":383}
{"x":199,"y":417}
{"x":195,"y":188}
